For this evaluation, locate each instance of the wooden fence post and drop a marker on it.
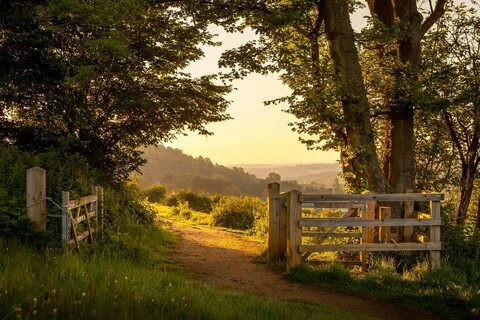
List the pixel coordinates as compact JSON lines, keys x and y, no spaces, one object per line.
{"x":435,"y":235}
{"x":36,"y":197}
{"x":384,"y":232}
{"x":367,"y":232}
{"x":100,"y":207}
{"x":65,"y":216}
{"x":283,"y":226}
{"x":408,"y":230}
{"x":294,"y":231}
{"x":95,"y":192}
{"x":273,"y":193}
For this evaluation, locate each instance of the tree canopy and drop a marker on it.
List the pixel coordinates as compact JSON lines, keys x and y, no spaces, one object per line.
{"x":102,"y":78}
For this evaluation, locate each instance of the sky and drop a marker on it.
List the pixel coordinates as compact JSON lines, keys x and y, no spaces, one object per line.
{"x":257,"y":134}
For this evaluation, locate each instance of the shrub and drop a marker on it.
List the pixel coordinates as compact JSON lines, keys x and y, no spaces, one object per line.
{"x":182,"y":210}
{"x":155,"y":193}
{"x":196,"y":201}
{"x":239,"y":213}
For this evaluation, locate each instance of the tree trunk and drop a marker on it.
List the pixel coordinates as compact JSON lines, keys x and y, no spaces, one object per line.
{"x":469,"y":170}
{"x":360,"y":148}
{"x":400,"y":168}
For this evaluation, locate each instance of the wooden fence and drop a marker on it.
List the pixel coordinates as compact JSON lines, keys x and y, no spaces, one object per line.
{"x":80,"y":218}
{"x":366,"y":223}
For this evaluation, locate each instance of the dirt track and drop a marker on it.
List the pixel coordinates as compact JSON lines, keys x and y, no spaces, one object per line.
{"x":225,"y":260}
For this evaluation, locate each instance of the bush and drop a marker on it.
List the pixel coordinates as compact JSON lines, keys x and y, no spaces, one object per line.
{"x":155,"y":193}
{"x":182,"y":210}
{"x":124,"y":203}
{"x":196,"y":201}
{"x":238,"y":212}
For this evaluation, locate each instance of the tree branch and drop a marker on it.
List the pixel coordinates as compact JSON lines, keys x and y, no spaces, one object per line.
{"x":436,"y":14}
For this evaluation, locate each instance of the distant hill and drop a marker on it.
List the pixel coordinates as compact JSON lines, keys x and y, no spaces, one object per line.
{"x":176,"y":170}
{"x":316,"y":173}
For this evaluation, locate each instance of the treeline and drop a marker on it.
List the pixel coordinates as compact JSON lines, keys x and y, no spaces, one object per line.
{"x":176,"y":170}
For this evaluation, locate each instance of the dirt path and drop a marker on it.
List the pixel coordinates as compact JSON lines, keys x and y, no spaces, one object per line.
{"x":225,"y":260}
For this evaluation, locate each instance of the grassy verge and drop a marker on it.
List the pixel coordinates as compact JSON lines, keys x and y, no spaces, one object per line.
{"x":438,"y":292}
{"x":126,"y":275}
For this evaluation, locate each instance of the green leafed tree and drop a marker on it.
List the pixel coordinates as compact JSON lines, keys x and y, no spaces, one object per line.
{"x":452,"y":72}
{"x":102,"y":78}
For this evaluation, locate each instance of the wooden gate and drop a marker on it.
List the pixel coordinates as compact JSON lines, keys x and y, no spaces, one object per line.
{"x":364,"y":220}
{"x":80,"y":218}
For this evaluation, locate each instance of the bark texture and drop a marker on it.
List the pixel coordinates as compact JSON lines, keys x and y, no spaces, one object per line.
{"x":360,"y":151}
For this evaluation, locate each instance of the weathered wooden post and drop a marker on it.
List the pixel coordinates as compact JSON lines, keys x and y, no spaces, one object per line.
{"x":384,"y":231}
{"x":294,"y":231}
{"x":65,"y":216}
{"x":435,"y":235}
{"x":282,"y":238}
{"x":408,"y":214}
{"x":273,"y":252}
{"x":36,"y":197}
{"x":367,"y":232}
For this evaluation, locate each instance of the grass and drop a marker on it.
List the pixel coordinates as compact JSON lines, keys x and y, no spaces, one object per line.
{"x":183,"y":214}
{"x":438,"y":292}
{"x":126,"y":275}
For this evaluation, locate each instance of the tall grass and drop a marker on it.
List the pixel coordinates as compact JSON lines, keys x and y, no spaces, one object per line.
{"x":125,"y":275}
{"x":443,"y":292}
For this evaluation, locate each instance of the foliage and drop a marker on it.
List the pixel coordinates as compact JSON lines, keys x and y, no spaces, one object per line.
{"x":196,"y":201}
{"x":241,"y":213}
{"x":155,"y":193}
{"x":123,"y":203}
{"x":182,"y":210}
{"x":128,"y":273}
{"x":100,"y":76}
{"x":452,"y":74}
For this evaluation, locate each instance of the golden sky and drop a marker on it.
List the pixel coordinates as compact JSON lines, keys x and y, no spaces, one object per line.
{"x":257,"y":133}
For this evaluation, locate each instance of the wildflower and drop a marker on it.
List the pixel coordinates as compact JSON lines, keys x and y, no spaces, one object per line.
{"x":126,"y":278}
{"x":34,"y":312}
{"x":83,"y":294}
{"x":34,"y":300}
{"x":54,"y":310}
{"x":54,"y":291}
{"x":173,"y":300}
{"x":183,"y":298}
{"x":170,"y":284}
